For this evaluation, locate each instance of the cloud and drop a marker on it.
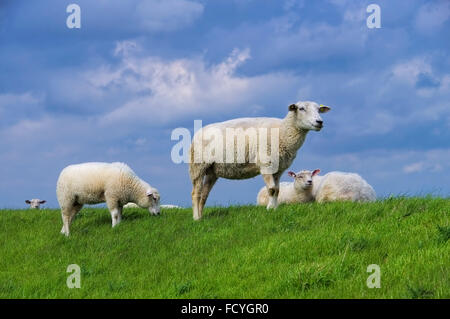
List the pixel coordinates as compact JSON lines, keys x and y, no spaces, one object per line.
{"x":28,"y":104}
{"x":414,"y":167}
{"x":411,"y":70}
{"x":163,"y":91}
{"x":422,"y":167}
{"x":432,"y":16}
{"x":167,"y":15}
{"x":112,"y":16}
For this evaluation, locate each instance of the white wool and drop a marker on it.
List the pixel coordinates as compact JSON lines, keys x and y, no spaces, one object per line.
{"x":133,"y":205}
{"x":93,"y":183}
{"x":292,"y":130}
{"x":338,"y":186}
{"x":299,"y":191}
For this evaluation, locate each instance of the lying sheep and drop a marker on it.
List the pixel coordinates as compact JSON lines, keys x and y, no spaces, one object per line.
{"x":133,"y":205}
{"x":299,"y":191}
{"x":205,"y":169}
{"x":170,"y":206}
{"x":334,"y":186}
{"x":340,"y":186}
{"x":35,"y":203}
{"x":93,"y":183}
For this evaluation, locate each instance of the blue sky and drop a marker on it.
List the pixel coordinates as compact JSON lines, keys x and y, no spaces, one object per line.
{"x":116,"y":88}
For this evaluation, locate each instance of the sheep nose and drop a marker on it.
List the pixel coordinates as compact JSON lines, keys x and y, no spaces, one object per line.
{"x":320,"y":122}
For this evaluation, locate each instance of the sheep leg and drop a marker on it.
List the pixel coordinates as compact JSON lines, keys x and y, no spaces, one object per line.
{"x":116,"y":214}
{"x":208,"y":183}
{"x":273,"y":187}
{"x":196,"y":197}
{"x":68,"y":216}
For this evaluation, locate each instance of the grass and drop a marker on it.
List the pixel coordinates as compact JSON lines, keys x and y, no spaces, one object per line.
{"x":297,"y":251}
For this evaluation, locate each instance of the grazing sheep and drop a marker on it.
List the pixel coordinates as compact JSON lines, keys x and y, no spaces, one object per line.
{"x":299,"y":191}
{"x":205,"y":169}
{"x":35,"y":203}
{"x":94,"y":183}
{"x":340,"y":186}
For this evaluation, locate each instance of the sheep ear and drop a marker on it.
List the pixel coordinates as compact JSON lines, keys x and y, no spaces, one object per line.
{"x":292,"y":174}
{"x":323,"y":108}
{"x":42,"y":202}
{"x":293,"y":107}
{"x":28,"y":202}
{"x":315,"y":172}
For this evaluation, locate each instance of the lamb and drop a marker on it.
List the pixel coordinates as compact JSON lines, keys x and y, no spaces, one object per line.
{"x":93,"y":183}
{"x":287,"y":135}
{"x":35,"y":203}
{"x":299,"y":191}
{"x":334,"y":186}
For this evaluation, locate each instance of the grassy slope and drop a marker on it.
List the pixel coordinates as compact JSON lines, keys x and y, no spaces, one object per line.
{"x":297,"y":251}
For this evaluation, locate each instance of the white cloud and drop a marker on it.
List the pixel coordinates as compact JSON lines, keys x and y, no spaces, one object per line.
{"x":414,"y":167}
{"x":161,"y":91}
{"x":432,"y":166}
{"x":410,"y":70}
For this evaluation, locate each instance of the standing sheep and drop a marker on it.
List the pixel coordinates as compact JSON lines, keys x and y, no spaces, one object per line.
{"x":94,"y":183}
{"x":334,"y":186}
{"x":35,"y":203}
{"x":205,"y":169}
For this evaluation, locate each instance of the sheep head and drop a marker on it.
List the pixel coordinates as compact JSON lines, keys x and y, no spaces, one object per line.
{"x":35,"y":203}
{"x":307,"y":115}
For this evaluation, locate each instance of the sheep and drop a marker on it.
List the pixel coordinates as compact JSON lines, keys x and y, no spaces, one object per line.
{"x":299,"y":191}
{"x":133,"y":205}
{"x":342,"y":186}
{"x":170,"y":206}
{"x":35,"y":203}
{"x":335,"y":186}
{"x":94,"y":183}
{"x":288,"y":134}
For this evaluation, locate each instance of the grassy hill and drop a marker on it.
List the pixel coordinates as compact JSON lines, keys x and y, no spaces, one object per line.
{"x":297,"y":251}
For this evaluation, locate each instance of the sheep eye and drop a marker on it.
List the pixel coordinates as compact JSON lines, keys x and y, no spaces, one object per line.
{"x":302,"y":109}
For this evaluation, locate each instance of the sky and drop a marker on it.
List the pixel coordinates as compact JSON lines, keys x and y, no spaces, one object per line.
{"x":116,"y":88}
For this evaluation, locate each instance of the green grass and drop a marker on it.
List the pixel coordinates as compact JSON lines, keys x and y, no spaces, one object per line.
{"x":297,"y":251}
